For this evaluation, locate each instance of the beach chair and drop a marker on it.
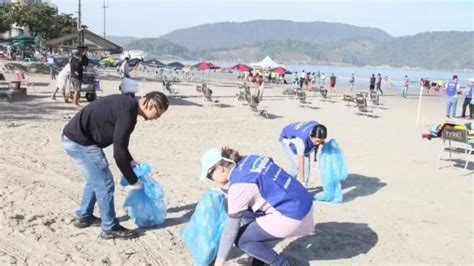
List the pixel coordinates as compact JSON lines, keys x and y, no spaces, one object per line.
{"x":301,"y":97}
{"x":348,"y":99}
{"x":459,"y":142}
{"x":169,"y":88}
{"x":374,"y":97}
{"x":206,"y":94}
{"x":362,"y":108}
{"x":244,"y":93}
{"x":324,"y":93}
{"x":254,"y":103}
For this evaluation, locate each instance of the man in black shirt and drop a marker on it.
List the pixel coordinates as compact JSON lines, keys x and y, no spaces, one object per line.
{"x":76,"y":76}
{"x":109,"y":120}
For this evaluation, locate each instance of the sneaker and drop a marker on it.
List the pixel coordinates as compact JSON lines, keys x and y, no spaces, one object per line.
{"x":86,"y":222}
{"x":119,"y":233}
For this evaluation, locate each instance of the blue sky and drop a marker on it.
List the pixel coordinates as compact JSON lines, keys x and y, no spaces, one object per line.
{"x":152,"y":18}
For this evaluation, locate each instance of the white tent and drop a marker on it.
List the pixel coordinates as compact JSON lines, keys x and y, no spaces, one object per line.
{"x":267,"y":62}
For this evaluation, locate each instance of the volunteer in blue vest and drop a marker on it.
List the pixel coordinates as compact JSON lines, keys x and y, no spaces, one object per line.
{"x":299,"y":140}
{"x":468,"y":99}
{"x":452,"y":89}
{"x":264,"y":203}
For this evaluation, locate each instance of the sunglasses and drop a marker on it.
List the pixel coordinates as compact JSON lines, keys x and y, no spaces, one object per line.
{"x":209,"y":173}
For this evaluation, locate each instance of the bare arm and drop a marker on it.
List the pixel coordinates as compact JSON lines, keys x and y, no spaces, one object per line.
{"x":300,"y":174}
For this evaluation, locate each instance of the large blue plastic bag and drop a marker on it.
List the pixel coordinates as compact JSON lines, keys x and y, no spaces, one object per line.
{"x":145,"y":206}
{"x":333,"y":167}
{"x":203,"y":232}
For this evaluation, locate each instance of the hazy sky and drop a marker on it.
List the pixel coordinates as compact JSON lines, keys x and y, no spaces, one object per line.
{"x":152,"y":18}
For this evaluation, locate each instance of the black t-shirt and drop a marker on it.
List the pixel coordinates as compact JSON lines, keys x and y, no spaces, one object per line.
{"x":108,"y":120}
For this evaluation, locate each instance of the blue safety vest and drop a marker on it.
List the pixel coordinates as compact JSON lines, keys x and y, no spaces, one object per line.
{"x":281,"y":190}
{"x":300,"y":130}
{"x":451,"y":90}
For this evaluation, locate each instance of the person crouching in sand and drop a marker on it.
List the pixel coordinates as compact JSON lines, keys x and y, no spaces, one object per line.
{"x":264,"y":203}
{"x":299,"y":140}
{"x":108,"y":120}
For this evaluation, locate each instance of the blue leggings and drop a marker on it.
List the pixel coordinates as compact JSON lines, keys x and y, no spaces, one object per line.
{"x":252,"y":240}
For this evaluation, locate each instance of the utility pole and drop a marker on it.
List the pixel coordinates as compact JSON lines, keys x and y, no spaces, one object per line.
{"x":104,"y":7}
{"x":79,"y":15}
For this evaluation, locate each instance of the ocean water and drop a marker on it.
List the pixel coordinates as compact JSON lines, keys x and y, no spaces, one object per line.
{"x":363,"y":74}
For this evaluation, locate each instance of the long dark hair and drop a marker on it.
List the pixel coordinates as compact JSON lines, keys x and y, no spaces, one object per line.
{"x":319,"y":131}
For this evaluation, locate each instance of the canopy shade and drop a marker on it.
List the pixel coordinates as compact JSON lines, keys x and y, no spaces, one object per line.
{"x":266,"y":63}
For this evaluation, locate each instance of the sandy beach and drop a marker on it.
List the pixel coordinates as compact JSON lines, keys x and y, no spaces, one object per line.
{"x":398,"y":208}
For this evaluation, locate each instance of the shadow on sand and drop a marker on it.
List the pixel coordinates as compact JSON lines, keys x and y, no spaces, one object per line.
{"x":332,"y":241}
{"x":360,"y":186}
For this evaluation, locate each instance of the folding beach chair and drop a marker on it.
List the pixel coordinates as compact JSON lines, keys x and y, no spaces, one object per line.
{"x":244,"y":93}
{"x":207,"y":94}
{"x":301,"y":97}
{"x":324,"y":92}
{"x":374,"y":97}
{"x":348,"y":99}
{"x":169,"y":88}
{"x":255,"y":108}
{"x":362,"y":107}
{"x":458,"y":135}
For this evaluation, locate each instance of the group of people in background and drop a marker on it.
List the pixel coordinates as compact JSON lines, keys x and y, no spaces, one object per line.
{"x":69,"y":79}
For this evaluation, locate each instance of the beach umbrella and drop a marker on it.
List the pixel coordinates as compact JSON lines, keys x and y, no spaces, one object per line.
{"x":205,"y":66}
{"x":242,"y":67}
{"x":177,"y":65}
{"x":280,"y":70}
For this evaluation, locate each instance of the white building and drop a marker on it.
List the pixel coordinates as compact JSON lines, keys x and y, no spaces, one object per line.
{"x":16,"y":30}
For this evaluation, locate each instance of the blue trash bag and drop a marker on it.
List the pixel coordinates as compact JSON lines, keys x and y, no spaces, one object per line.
{"x":203,"y":232}
{"x":145,"y":206}
{"x":333,"y":166}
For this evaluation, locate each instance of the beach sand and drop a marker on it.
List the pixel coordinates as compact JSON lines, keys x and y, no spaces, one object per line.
{"x":398,"y":208}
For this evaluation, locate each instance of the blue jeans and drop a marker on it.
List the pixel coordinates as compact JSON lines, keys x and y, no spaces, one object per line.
{"x":99,"y":186}
{"x":252,"y":240}
{"x":294,"y":163}
{"x":452,"y":105}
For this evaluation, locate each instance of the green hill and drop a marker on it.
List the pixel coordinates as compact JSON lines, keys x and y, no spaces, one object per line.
{"x":334,"y":43}
{"x":232,"y":34}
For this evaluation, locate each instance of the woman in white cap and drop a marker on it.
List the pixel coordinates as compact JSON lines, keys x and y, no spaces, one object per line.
{"x":264,"y":203}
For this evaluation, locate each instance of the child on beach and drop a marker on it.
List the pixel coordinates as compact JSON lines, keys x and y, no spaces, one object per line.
{"x":264,"y":203}
{"x":299,"y":140}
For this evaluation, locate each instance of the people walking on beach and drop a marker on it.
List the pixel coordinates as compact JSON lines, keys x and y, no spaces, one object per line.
{"x":372,"y":83}
{"x":332,"y":83}
{"x":352,"y":81}
{"x":468,"y":99}
{"x":108,"y":120}
{"x":295,"y":79}
{"x":323,"y":79}
{"x":378,"y":83}
{"x":76,"y":76}
{"x":125,"y":69}
{"x":318,"y":76}
{"x":406,"y":83}
{"x":62,"y":83}
{"x":299,"y":140}
{"x":452,"y":89}
{"x":264,"y":203}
